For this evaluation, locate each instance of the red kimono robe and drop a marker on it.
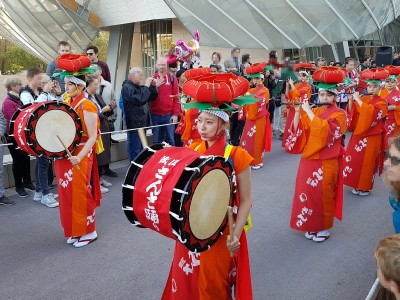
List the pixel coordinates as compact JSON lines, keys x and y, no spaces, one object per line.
{"x":318,"y":195}
{"x":364,"y":151}
{"x":257,"y":134}
{"x":300,"y":93}
{"x":210,"y":275}
{"x":79,"y":189}
{"x":392,"y":122}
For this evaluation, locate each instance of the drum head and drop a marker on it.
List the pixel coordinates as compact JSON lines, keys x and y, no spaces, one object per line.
{"x":55,"y":123}
{"x":209,"y":204}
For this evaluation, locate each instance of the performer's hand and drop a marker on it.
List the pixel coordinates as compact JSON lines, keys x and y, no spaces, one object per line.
{"x":356,"y":96}
{"x":350,"y":97}
{"x":306,"y":107}
{"x":174,"y":119}
{"x":233,"y":246}
{"x":75,"y":160}
{"x":392,"y":107}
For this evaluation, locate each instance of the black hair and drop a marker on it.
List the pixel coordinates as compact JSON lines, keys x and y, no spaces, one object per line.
{"x":94,"y":48}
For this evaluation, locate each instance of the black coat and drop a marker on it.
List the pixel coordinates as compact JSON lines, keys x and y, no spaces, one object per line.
{"x":136,"y":108}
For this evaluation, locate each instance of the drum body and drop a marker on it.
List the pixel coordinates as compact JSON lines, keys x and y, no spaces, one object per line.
{"x":180,"y":194}
{"x":34,"y":129}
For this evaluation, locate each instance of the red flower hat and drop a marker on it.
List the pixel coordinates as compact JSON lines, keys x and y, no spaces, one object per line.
{"x":193,"y":73}
{"x":334,"y":75}
{"x":303,"y":66}
{"x":216,"y":88}
{"x":256,"y":68}
{"x":72,"y":62}
{"x":376,"y":74}
{"x":393,"y":70}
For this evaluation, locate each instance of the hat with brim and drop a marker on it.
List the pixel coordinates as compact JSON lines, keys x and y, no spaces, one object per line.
{"x":74,"y":65}
{"x":392,"y":77}
{"x":256,"y":70}
{"x":224,"y":92}
{"x":329,"y":87}
{"x":371,"y":81}
{"x":375,"y":75}
{"x":257,"y":75}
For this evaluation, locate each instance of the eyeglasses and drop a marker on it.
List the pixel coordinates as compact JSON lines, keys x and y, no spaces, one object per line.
{"x":394,"y":161}
{"x":89,"y":53}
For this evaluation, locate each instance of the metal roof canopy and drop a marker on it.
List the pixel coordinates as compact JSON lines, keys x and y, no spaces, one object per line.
{"x":282,"y":24}
{"x":38,"y":26}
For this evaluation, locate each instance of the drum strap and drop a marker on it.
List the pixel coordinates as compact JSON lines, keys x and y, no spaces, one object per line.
{"x":227,"y":153}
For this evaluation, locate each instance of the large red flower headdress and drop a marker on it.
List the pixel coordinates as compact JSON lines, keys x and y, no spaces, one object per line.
{"x":214,"y":91}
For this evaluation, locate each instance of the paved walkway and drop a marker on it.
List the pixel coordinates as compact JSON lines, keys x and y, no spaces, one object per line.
{"x":131,"y":263}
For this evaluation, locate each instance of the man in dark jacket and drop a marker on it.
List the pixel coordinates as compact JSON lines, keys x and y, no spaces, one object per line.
{"x":136,"y":108}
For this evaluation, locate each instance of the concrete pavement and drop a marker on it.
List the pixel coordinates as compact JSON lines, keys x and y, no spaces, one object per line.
{"x":131,"y":263}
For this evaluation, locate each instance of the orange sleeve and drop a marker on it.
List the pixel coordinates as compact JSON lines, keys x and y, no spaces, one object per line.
{"x":241,"y":159}
{"x":384,"y":93}
{"x":397,"y":114}
{"x":324,"y":132}
{"x":294,"y":93}
{"x":89,"y":106}
{"x":193,"y":146}
{"x":369,"y":114}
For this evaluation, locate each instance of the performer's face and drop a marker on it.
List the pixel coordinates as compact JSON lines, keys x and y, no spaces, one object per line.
{"x":209,"y":126}
{"x":71,"y":88}
{"x":257,"y":81}
{"x":373,"y":88}
{"x":326,"y":97}
{"x":390,"y":84}
{"x":392,"y":164}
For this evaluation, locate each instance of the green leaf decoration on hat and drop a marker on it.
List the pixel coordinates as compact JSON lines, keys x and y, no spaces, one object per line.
{"x":268,"y":68}
{"x":199,"y":105}
{"x":255,"y":75}
{"x":326,"y":86}
{"x":239,"y":101}
{"x":244,"y":100}
{"x":83,"y":71}
{"x":373,"y":81}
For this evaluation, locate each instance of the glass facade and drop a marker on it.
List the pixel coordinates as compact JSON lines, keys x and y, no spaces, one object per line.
{"x":156,"y":40}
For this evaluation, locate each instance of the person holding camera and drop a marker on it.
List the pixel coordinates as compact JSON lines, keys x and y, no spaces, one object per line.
{"x":136,"y":99}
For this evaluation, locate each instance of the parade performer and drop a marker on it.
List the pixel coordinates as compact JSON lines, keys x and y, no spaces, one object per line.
{"x":257,"y":134}
{"x":187,"y":126}
{"x":77,"y":176}
{"x":299,"y":92}
{"x":366,"y":120}
{"x":392,"y":96}
{"x":318,"y":135}
{"x":212,"y":274}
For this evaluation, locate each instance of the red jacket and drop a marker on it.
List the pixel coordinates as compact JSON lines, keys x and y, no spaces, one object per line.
{"x":164,"y":103}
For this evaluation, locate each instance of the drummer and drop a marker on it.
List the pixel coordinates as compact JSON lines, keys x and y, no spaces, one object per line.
{"x":211,"y":277}
{"x":77,"y":176}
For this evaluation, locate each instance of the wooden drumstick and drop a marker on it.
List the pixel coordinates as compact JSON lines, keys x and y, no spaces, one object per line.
{"x":143,"y":138}
{"x":66,"y":150}
{"x":230,"y":220}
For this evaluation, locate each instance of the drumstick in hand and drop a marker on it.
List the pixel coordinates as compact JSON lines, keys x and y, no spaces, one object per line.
{"x":142,"y":137}
{"x":66,"y":150}
{"x":230,"y":220}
